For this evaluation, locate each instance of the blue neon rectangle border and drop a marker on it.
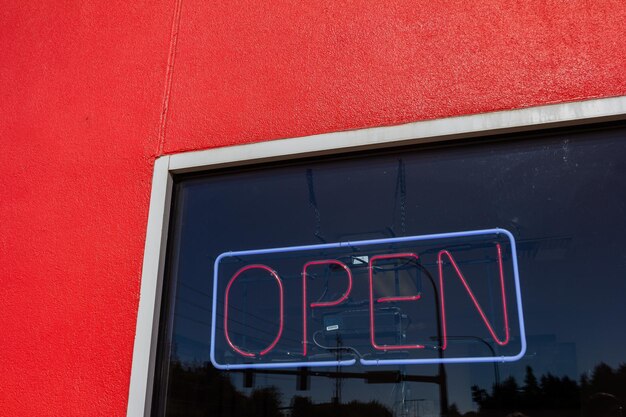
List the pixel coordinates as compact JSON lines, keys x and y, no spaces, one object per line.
{"x":367,"y":362}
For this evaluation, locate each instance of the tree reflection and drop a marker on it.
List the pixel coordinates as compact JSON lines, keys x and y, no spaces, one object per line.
{"x":602,"y":395}
{"x":304,"y":407}
{"x":201,"y":390}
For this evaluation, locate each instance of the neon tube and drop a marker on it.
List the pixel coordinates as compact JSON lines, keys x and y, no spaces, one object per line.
{"x":281,"y":309}
{"x":388,"y":300}
{"x":517,"y":305}
{"x":399,"y":298}
{"x":474,"y":300}
{"x":320,"y":304}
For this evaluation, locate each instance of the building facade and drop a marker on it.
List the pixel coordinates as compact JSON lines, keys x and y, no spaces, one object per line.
{"x":110,"y":111}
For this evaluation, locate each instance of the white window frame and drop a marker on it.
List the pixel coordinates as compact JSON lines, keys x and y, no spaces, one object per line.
{"x":438,"y":130}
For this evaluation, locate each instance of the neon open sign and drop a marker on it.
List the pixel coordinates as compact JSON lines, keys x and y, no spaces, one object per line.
{"x":444,"y":298}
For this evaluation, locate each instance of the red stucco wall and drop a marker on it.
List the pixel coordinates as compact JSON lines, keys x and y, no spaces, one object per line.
{"x":91,"y":92}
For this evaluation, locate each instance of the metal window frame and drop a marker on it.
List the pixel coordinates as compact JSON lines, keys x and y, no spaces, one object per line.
{"x":429,"y":131}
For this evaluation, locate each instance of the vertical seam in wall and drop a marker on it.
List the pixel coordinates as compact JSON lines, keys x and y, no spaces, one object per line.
{"x":169,"y":75}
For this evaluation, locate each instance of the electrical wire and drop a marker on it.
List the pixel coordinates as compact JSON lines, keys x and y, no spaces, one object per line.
{"x":331,"y":348}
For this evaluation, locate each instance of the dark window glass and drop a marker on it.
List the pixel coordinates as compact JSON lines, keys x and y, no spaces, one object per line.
{"x":561,"y":194}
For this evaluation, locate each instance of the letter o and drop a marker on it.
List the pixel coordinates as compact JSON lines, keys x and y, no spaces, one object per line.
{"x":281,"y":307}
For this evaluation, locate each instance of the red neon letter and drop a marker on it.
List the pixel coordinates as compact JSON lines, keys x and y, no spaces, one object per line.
{"x":474,"y":300}
{"x":388,"y":300}
{"x":305,"y":304}
{"x":280,"y":326}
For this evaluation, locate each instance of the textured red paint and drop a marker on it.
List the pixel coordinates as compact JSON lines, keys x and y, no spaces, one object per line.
{"x":82,"y":86}
{"x":82,"y":118}
{"x":248,"y":72}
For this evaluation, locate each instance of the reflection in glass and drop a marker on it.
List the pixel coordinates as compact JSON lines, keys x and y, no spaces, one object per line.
{"x":563,"y":196}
